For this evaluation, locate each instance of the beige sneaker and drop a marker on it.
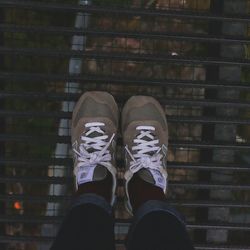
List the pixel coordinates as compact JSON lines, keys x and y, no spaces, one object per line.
{"x":94,"y":129}
{"x":145,"y":136}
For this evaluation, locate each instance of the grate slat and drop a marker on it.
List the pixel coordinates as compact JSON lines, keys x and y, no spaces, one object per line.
{"x":68,"y":31}
{"x":86,"y":78}
{"x":159,"y":58}
{"x":121,"y":11}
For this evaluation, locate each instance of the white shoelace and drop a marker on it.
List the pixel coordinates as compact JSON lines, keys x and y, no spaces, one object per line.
{"x":147,"y":154}
{"x":101,"y":155}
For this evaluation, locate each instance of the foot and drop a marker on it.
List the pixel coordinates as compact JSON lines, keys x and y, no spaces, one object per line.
{"x":145,"y":136}
{"x":94,"y":128}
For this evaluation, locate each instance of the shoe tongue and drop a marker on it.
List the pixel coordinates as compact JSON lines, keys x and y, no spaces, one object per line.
{"x":146,"y":175}
{"x":93,"y":135}
{"x":146,"y":138}
{"x":100,"y":173}
{"x":91,"y":173}
{"x":153,"y":177}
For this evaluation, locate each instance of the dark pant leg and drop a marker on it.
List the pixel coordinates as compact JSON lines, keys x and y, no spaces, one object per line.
{"x":89,"y":225}
{"x":158,"y":227}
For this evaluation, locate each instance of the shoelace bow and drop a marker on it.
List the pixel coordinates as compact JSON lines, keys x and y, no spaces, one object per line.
{"x":101,"y":155}
{"x":147,"y":152}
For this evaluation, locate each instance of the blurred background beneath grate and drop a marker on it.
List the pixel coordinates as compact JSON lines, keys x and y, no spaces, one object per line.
{"x":191,"y":55}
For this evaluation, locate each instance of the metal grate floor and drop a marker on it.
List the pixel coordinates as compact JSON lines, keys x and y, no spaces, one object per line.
{"x":193,"y":56}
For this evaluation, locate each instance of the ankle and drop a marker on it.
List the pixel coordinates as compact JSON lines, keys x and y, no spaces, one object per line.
{"x":141,"y":191}
{"x":102,"y":188}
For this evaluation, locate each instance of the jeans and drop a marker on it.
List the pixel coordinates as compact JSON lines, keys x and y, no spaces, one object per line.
{"x":89,"y":225}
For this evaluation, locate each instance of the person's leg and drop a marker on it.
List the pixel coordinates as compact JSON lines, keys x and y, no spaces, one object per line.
{"x":157,"y":226}
{"x":89,"y":224}
{"x":145,"y":135}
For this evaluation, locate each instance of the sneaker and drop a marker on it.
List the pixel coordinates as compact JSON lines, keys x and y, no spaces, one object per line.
{"x":145,"y":136}
{"x":94,"y":128}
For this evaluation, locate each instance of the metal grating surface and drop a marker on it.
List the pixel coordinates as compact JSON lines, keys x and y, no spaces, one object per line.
{"x":193,"y":56}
